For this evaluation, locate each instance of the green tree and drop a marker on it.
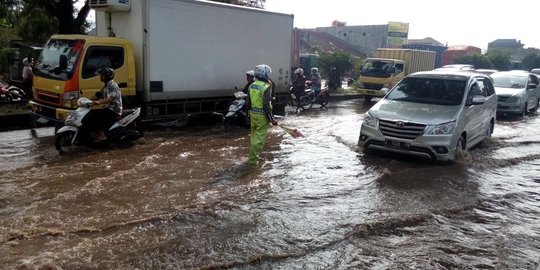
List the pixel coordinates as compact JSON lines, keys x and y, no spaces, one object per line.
{"x":531,"y":61}
{"x":478,"y":60}
{"x":342,"y":61}
{"x":500,"y":59}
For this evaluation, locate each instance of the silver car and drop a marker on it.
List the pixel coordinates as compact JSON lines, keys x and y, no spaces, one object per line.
{"x":518,"y":91}
{"x":432,"y":114}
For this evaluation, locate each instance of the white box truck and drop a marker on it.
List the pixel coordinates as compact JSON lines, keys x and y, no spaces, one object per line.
{"x":171,"y":57}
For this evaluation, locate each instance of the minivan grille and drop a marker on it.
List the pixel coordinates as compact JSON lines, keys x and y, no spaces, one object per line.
{"x":502,"y":98}
{"x":400,"y":129}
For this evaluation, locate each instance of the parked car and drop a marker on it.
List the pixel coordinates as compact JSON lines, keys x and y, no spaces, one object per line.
{"x":432,"y":114}
{"x":457,"y":67}
{"x":518,"y":91}
{"x":486,"y":71}
{"x":535,"y":71}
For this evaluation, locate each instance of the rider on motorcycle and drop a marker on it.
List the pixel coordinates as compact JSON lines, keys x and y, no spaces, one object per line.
{"x":98,"y":120}
{"x":299,"y":84}
{"x":250,"y":78}
{"x":316,"y":80}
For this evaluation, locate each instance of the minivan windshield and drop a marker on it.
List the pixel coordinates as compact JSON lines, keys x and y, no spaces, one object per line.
{"x":429,"y":91}
{"x":58,"y":58}
{"x":509,"y":81}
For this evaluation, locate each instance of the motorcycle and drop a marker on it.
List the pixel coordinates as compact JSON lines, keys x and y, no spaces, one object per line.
{"x":306,"y":101}
{"x":10,"y":93}
{"x":237,"y":114}
{"x":73,"y":133}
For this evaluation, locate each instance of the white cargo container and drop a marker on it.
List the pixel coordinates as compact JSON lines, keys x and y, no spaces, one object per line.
{"x":200,"y":48}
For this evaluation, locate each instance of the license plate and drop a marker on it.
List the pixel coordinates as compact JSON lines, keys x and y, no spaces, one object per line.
{"x":42,"y":120}
{"x":397,"y":144}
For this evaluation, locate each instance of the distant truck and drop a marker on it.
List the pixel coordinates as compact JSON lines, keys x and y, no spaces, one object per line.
{"x":390,"y":66}
{"x":173,"y":58}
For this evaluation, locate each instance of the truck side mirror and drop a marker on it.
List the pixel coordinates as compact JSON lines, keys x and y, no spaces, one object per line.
{"x":63,"y":62}
{"x":62,"y":65}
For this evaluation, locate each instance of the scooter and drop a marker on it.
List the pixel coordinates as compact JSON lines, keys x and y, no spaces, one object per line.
{"x":237,"y":114}
{"x":73,"y":133}
{"x":10,"y":93}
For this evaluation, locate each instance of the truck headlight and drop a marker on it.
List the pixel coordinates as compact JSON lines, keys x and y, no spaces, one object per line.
{"x":371,"y":121}
{"x":442,"y":129}
{"x":68,"y":97}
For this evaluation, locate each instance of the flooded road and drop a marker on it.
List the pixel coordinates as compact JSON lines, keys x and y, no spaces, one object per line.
{"x":183,"y":199}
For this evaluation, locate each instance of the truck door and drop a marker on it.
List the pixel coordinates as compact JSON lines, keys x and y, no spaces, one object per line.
{"x":97,"y":56}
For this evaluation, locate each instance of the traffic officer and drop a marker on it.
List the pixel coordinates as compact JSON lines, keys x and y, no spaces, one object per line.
{"x":259,"y":104}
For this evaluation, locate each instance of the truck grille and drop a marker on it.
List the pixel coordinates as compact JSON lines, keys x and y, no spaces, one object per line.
{"x":48,"y":97}
{"x":400,"y":129}
{"x":373,"y":86}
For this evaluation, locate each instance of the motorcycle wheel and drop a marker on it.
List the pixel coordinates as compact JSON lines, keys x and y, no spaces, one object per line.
{"x":63,"y":142}
{"x":306,"y":103}
{"x":323,"y":100}
{"x":227,"y":124}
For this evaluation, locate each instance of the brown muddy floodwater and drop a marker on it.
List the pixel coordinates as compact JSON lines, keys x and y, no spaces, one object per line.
{"x":182,"y":199}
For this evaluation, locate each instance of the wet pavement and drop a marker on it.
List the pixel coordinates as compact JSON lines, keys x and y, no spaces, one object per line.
{"x":183,"y":199}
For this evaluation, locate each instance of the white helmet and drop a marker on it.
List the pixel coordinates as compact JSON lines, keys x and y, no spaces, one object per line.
{"x":250,"y":73}
{"x":262,"y":72}
{"x":314,"y":69}
{"x":299,"y":71}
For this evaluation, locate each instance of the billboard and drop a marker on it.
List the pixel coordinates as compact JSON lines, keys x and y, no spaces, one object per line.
{"x":398,"y":33}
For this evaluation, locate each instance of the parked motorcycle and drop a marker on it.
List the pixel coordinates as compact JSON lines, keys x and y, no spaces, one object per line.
{"x":237,"y":114}
{"x":10,"y":93}
{"x":124,"y":131}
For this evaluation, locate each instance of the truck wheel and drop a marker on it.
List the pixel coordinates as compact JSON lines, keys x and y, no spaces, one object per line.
{"x":367,"y":99}
{"x":63,"y":141}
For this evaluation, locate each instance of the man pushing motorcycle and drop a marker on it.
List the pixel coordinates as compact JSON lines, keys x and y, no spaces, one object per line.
{"x":259,"y":104}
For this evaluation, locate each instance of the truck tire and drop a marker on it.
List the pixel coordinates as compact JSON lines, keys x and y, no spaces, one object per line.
{"x":367,"y":99}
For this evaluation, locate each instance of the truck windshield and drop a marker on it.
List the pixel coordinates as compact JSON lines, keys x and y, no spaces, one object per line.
{"x":429,"y":91}
{"x":58,"y":58}
{"x":378,"y":68}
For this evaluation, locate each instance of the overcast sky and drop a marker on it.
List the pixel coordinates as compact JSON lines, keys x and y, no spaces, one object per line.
{"x":455,"y":22}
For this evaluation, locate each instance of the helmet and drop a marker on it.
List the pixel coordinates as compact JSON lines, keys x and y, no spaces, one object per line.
{"x":262,"y":72}
{"x":26,"y":62}
{"x":314,"y":69}
{"x":299,"y":71}
{"x":107,"y":72}
{"x":250,"y":73}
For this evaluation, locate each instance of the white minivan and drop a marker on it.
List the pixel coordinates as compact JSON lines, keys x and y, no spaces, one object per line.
{"x":432,"y":114}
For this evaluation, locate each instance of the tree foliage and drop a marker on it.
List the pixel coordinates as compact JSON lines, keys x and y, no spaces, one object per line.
{"x":478,"y":60}
{"x":341,"y":61}
{"x":531,"y":61}
{"x":500,"y":59}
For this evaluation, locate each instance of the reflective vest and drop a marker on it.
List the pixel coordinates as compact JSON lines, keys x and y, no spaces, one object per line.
{"x":256,"y":95}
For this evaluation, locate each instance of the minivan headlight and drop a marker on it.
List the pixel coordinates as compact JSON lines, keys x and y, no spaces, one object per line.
{"x":514,"y":99}
{"x":371,"y":121}
{"x":442,"y":129}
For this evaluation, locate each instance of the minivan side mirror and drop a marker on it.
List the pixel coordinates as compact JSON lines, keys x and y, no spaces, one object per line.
{"x":385,"y":90}
{"x":531,"y":86}
{"x":477,"y":100}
